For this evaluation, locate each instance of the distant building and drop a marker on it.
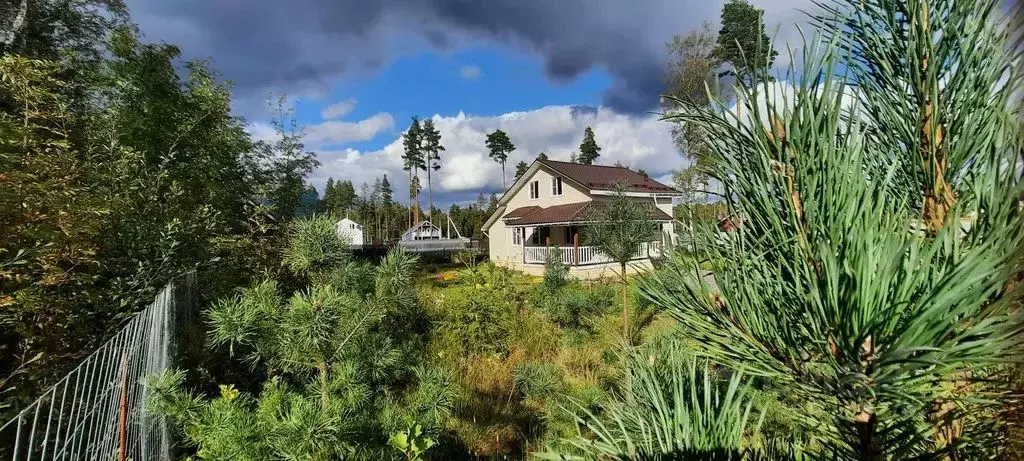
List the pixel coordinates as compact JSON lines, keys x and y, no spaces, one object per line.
{"x":548,"y":206}
{"x":424,"y":230}
{"x":350,"y":230}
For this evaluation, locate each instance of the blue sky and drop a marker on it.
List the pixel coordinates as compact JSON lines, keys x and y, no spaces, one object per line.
{"x":482,"y":81}
{"x":541,"y":70}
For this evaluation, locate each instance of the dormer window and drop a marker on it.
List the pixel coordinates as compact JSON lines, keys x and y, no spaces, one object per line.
{"x":534,"y":189}
{"x":556,"y":185}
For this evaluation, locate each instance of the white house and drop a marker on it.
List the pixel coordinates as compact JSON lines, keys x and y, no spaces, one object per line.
{"x":424,"y":230}
{"x":350,"y":230}
{"x":548,"y":205}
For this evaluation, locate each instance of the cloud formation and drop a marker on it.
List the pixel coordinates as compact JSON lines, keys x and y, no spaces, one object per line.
{"x":641,"y":142}
{"x":339,"y":109}
{"x":469,"y":72}
{"x":339,"y":132}
{"x":303,"y":45}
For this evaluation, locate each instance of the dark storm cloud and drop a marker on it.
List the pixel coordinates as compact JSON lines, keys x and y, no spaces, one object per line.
{"x":297,"y":44}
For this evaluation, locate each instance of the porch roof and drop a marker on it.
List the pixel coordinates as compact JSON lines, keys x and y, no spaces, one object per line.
{"x":571,"y":213}
{"x":520,"y":212}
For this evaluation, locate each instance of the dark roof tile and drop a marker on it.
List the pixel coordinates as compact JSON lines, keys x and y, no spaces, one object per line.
{"x":603,"y":177}
{"x":572,"y":212}
{"x":521,"y":212}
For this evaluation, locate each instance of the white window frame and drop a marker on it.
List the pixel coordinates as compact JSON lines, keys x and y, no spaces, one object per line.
{"x":556,"y":186}
{"x":517,"y":236}
{"x":534,"y":190}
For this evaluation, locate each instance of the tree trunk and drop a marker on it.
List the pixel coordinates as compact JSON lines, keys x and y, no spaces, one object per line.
{"x":503,"y":185}
{"x":867,"y":448}
{"x":430,"y":199}
{"x":625,"y":307}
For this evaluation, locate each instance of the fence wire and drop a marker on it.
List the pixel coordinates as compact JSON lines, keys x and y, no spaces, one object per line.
{"x":97,"y":411}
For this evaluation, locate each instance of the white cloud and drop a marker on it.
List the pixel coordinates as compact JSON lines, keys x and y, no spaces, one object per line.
{"x":338,"y":132}
{"x":339,"y":109}
{"x":260,"y":131}
{"x":470,"y":72}
{"x":639,"y":142}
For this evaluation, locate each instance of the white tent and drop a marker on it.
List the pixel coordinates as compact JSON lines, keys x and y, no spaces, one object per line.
{"x":351,"y":230}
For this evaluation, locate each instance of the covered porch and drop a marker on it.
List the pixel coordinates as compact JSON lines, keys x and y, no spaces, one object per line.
{"x":586,"y":255}
{"x":536,"y":232}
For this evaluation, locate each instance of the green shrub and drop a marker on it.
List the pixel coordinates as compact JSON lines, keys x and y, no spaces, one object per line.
{"x":314,"y":247}
{"x":556,"y":273}
{"x":472,"y":320}
{"x":570,"y":306}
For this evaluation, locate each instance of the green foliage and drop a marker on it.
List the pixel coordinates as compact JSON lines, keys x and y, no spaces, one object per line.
{"x":474,"y":319}
{"x":556,"y":273}
{"x":743,"y":43}
{"x":411,"y":442}
{"x":618,"y":225}
{"x":315,"y":248}
{"x":571,"y":305}
{"x":673,"y":409}
{"x":339,"y":197}
{"x":340,"y":366}
{"x":279,"y":167}
{"x":589,"y":150}
{"x":499,"y":145}
{"x":119,"y":174}
{"x":852,"y":282}
{"x":521,"y":168}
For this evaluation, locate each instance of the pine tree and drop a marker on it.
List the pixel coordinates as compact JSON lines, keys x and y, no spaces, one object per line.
{"x":521,"y":168}
{"x":618,"y":227}
{"x":851,"y":281}
{"x":432,"y":148}
{"x":743,"y":43}
{"x":413,"y":161}
{"x":589,"y":150}
{"x":542,"y":156}
{"x":500,"y":146}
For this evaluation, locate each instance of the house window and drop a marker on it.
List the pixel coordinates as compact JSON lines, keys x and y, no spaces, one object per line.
{"x":517,"y":236}
{"x":534,"y":189}
{"x":556,"y":185}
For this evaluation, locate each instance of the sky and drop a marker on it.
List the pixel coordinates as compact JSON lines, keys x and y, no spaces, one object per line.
{"x":541,"y":70}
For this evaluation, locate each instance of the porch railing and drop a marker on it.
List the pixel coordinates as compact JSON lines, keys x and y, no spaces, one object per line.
{"x":587,"y":255}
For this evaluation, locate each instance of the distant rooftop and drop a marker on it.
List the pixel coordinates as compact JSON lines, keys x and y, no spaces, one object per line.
{"x":604,"y":177}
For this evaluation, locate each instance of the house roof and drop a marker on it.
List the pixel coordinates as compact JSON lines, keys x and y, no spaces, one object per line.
{"x":520,"y":212}
{"x":604,"y":177}
{"x":573,"y":213}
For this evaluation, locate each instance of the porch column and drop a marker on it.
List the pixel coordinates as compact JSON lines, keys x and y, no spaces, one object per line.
{"x":576,"y":249}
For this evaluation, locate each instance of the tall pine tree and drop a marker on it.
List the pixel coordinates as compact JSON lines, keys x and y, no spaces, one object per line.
{"x":743,"y":43}
{"x":413,"y":161}
{"x":431,"y":144}
{"x":500,"y":146}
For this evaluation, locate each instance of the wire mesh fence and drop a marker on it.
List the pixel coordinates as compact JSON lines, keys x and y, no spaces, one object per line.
{"x":97,"y":412}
